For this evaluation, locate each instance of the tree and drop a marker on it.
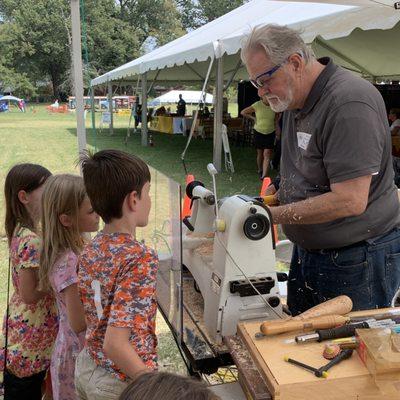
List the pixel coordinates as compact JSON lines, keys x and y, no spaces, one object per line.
{"x":40,"y":40}
{"x":10,"y":79}
{"x":113,"y":33}
{"x":195,"y":13}
{"x":152,"y":18}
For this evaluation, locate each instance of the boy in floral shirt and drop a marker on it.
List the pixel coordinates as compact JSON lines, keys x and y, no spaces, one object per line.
{"x":117,"y":278}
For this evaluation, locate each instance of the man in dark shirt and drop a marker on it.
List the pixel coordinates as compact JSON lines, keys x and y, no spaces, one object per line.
{"x":338,"y":202}
{"x":181,"y":108}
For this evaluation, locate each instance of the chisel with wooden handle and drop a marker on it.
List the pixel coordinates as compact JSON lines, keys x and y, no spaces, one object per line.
{"x":275,"y":327}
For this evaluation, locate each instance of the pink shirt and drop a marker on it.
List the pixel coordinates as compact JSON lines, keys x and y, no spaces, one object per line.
{"x":68,"y":344}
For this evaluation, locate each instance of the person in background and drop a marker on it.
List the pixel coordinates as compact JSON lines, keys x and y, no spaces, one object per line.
{"x":181,"y":108}
{"x":338,"y":202}
{"x":117,"y":278}
{"x":160,"y":111}
{"x":137,"y":112}
{"x":276,"y":159}
{"x":167,"y":386}
{"x":66,"y":215}
{"x":31,"y":321}
{"x":264,"y":132}
{"x":394,"y":118}
{"x":21,"y":105}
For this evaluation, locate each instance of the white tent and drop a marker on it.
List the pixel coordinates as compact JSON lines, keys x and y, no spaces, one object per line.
{"x":361,"y":35}
{"x":190,"y":96}
{"x":10,"y":98}
{"x":353,"y":32}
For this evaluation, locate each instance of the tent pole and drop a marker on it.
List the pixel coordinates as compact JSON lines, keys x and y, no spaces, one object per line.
{"x":238,"y":65}
{"x":203,"y":95}
{"x":153,"y":82}
{"x":217,"y":149}
{"x":93,"y":115}
{"x":145,"y":140}
{"x":194,"y":71}
{"x":110,"y":108}
{"x":78,"y":74}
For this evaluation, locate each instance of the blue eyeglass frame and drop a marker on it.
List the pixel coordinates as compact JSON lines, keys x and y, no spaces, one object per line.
{"x":268,"y":74}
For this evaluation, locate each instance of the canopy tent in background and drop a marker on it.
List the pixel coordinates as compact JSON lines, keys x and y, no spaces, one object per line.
{"x":190,"y":97}
{"x":361,"y":35}
{"x":10,"y":98}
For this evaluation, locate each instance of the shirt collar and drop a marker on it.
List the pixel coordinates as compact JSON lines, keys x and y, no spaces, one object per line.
{"x":318,"y":87}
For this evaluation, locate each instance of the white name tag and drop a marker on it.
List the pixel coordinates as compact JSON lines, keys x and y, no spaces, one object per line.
{"x":303,"y":139}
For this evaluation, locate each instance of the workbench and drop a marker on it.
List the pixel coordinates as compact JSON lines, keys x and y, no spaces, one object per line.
{"x":265,"y":375}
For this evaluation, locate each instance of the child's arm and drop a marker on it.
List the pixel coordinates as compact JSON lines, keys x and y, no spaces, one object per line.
{"x":28,"y":267}
{"x":75,"y":312}
{"x":118,"y":348}
{"x":28,"y":282}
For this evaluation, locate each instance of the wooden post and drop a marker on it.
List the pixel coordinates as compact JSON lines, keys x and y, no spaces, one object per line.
{"x":78,"y":74}
{"x":218,"y":109}
{"x":145,"y":140}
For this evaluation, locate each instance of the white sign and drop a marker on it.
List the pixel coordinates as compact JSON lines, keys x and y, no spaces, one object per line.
{"x":106,"y":118}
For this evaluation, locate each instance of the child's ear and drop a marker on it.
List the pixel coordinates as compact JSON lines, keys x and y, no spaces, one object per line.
{"x":22,"y":197}
{"x":132,"y":199}
{"x":65,"y":220}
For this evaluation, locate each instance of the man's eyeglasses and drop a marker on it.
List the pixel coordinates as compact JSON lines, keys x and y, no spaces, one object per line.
{"x":258,"y":82}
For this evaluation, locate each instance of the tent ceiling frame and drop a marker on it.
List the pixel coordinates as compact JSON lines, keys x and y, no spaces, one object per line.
{"x":321,"y":42}
{"x":234,"y":72}
{"x":195,"y":72}
{"x":154,"y":81}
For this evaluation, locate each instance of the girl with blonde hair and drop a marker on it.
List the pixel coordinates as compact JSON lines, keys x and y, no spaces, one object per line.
{"x":66,"y":214}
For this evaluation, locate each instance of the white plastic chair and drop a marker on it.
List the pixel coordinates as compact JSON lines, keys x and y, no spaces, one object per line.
{"x":227,"y":150}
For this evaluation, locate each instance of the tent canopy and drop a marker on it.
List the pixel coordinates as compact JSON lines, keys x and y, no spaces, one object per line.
{"x":359,"y":34}
{"x":190,"y":96}
{"x":9,"y":98}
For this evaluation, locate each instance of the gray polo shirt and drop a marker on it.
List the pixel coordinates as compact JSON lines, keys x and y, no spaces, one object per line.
{"x":341,"y":133}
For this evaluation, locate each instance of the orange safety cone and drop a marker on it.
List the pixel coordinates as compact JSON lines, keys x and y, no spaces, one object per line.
{"x":266,"y":182}
{"x":186,"y":211}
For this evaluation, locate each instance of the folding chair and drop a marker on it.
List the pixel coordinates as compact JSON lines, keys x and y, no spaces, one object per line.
{"x":227,"y":150}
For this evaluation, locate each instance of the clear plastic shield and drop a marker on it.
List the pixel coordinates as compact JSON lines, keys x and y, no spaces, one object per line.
{"x":163,"y":233}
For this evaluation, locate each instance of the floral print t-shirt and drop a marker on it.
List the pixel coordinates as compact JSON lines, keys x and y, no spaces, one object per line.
{"x":117,"y":284}
{"x":32,"y":328}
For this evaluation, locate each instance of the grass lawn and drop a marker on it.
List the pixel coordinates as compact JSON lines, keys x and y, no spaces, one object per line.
{"x":50,"y":140}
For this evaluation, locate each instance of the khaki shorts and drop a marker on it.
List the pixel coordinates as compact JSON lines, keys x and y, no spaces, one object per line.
{"x":95,"y":383}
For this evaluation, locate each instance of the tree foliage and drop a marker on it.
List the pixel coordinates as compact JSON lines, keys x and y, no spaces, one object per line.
{"x":159,"y":19}
{"x":9,"y":77}
{"x":195,"y":13}
{"x":36,"y":38}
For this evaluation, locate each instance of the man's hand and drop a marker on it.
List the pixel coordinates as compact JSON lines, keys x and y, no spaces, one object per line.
{"x":346,"y":199}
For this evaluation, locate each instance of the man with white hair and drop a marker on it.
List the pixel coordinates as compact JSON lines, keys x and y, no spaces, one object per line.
{"x":338,"y":202}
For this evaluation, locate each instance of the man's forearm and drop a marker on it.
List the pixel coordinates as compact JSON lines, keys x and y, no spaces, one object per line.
{"x":315,"y":210}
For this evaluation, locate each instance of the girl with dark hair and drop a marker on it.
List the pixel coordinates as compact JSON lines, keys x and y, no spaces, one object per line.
{"x":31,"y":320}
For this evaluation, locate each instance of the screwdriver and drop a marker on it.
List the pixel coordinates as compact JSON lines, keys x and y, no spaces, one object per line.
{"x":340,"y":332}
